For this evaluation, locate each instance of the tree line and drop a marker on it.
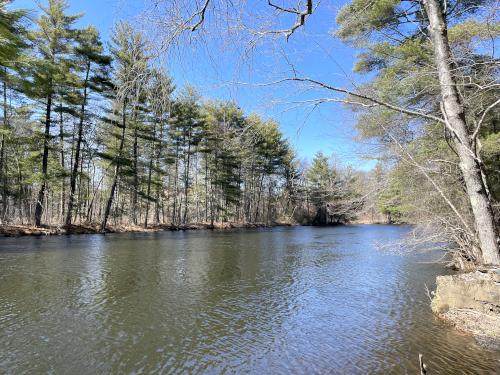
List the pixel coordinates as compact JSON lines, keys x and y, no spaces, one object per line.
{"x":430,"y":97}
{"x":99,"y":135}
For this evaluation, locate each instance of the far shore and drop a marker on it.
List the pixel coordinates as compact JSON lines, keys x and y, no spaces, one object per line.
{"x":17,"y":230}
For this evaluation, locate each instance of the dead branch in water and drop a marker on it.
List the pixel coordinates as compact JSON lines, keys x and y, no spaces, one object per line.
{"x":423,"y":366}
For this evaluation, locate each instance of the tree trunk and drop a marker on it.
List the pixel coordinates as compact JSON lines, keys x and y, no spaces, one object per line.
{"x":63,"y":178}
{"x":206,"y":186}
{"x":159,"y":182}
{"x":186,"y":181}
{"x":76,"y":160}
{"x":150,"y":171}
{"x":256,"y":218}
{"x":470,"y":166}
{"x":116,"y":172}
{"x":3,"y":161}
{"x":45,"y":161}
{"x":176,"y":178}
{"x":136,"y":172}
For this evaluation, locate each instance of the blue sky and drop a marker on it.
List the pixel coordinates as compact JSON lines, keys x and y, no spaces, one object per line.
{"x":222,"y":74}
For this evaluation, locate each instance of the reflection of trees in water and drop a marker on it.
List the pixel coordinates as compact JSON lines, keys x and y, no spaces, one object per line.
{"x":320,"y":299}
{"x":130,"y":323}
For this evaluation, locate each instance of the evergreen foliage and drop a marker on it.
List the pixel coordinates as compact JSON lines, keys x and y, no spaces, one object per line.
{"x":92,"y":136}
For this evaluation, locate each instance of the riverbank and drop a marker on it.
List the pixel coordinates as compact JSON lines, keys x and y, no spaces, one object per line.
{"x":371,"y":217}
{"x":51,"y":230}
{"x":471,"y":303}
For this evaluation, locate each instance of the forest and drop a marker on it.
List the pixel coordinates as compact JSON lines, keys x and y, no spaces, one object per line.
{"x":98,"y":134}
{"x":368,"y":242}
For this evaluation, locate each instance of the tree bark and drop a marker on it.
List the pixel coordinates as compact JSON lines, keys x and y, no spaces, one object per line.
{"x":45,"y":161}
{"x":116,"y":172}
{"x":3,"y":161}
{"x":61,"y":151}
{"x":136,"y":172}
{"x":176,"y":190}
{"x":159,"y":174}
{"x":76,"y":160}
{"x":186,"y":179}
{"x":150,"y":171}
{"x":454,"y":113}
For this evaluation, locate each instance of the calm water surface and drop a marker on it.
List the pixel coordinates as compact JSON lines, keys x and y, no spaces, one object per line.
{"x":280,"y":301}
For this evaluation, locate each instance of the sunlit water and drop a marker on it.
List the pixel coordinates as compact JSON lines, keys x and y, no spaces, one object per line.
{"x":280,"y":301}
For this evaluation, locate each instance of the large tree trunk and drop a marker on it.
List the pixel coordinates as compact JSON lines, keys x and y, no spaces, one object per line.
{"x":45,"y":163}
{"x":470,"y":166}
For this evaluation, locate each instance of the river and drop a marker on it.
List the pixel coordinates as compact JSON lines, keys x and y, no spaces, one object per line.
{"x":298,"y":300}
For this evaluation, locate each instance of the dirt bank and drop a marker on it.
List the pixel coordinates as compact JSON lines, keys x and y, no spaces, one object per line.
{"x":471,"y":302}
{"x":28,"y":230}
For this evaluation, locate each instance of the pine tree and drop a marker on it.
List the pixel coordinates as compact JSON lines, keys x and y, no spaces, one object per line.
{"x":52,"y":68}
{"x":12,"y":42}
{"x":131,"y":72}
{"x":185,"y":135}
{"x":93,"y":67}
{"x":222,"y":147}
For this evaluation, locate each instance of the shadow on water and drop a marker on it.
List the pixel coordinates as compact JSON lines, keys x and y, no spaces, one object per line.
{"x":270,"y":301}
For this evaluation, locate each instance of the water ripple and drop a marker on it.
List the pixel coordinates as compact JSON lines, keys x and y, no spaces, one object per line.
{"x":282,"y":301}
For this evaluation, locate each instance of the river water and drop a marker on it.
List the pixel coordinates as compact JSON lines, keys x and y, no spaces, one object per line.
{"x":276,"y":301}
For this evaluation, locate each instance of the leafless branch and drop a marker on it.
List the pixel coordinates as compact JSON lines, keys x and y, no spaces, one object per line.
{"x":201,"y":15}
{"x":361,"y":96}
{"x":283,"y":9}
{"x":430,"y":179}
{"x":481,"y":120}
{"x":301,"y":18}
